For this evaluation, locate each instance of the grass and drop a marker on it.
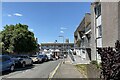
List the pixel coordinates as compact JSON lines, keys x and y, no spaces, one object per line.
{"x":98,"y":66}
{"x":82,"y":68}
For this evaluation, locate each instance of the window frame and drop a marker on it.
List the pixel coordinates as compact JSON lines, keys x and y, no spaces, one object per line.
{"x":97,"y":10}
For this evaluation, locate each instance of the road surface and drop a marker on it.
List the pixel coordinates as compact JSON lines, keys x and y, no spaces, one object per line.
{"x":36,"y":71}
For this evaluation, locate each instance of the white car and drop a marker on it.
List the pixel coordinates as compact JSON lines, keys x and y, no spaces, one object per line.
{"x":22,"y":60}
{"x":49,"y":56}
{"x":36,"y":58}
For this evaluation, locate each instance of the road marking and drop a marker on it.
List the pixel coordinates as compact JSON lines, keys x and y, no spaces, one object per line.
{"x":54,"y":71}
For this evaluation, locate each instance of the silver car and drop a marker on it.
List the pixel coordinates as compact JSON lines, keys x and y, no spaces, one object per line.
{"x":36,"y":58}
{"x":22,"y":60}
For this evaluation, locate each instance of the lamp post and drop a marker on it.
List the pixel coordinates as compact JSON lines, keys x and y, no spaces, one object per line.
{"x":63,"y":48}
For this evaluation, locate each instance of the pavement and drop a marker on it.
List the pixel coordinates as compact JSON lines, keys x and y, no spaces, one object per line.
{"x":67,"y":70}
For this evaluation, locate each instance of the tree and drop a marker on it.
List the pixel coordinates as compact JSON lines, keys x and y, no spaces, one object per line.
{"x":18,"y":39}
{"x":67,"y":40}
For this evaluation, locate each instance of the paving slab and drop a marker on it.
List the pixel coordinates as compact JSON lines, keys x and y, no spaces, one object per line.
{"x":67,"y":70}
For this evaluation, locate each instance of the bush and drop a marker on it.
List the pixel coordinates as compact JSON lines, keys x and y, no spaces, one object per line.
{"x":110,"y":62}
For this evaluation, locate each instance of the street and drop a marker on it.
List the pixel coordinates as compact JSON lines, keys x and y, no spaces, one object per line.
{"x":36,"y":71}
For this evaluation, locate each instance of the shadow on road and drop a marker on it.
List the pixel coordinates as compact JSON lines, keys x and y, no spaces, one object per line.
{"x":23,"y":69}
{"x":41,"y":62}
{"x":17,"y":69}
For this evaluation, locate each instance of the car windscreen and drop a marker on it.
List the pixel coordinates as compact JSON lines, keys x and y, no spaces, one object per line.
{"x":41,"y":55}
{"x":34,"y":56}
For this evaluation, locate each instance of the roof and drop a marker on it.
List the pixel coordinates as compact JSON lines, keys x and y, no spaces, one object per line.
{"x":57,"y":44}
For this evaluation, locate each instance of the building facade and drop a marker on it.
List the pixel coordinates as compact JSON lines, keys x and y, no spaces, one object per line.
{"x":56,"y":48}
{"x":99,"y":29}
{"x":105,"y":26}
{"x":82,"y":38}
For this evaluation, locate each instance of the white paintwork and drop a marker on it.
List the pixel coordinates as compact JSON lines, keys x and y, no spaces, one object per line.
{"x":88,"y":32}
{"x":97,"y":32}
{"x":99,"y":42}
{"x":77,"y":52}
{"x":57,"y":50}
{"x":83,"y":36}
{"x":98,"y":58}
{"x":98,"y":21}
{"x":83,"y":54}
{"x":51,"y":50}
{"x":45,"y":50}
{"x":80,"y":53}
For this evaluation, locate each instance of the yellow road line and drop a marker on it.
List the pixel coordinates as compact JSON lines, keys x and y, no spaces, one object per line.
{"x":54,"y":71}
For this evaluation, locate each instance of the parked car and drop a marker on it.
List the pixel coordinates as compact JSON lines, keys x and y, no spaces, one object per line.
{"x":65,"y":55}
{"x":6,"y":63}
{"x":22,"y":60}
{"x":49,"y":56}
{"x":43,"y":57}
{"x":36,"y":58}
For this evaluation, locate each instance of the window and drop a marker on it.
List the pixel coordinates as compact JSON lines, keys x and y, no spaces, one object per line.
{"x":98,"y":10}
{"x":5,"y":58}
{"x":100,"y":31}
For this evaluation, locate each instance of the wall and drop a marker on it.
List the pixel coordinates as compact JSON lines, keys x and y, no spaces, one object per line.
{"x":119,"y":20}
{"x":93,"y":41}
{"x":109,"y":23}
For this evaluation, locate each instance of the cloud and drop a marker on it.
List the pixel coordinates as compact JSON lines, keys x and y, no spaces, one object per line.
{"x":61,"y":31}
{"x":31,"y":30}
{"x":9,"y":15}
{"x":63,"y":28}
{"x":17,"y":14}
{"x":1,"y":28}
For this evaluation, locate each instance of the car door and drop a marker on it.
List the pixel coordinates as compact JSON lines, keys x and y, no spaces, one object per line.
{"x":6,"y":62}
{"x":29,"y":60}
{"x":26,"y":60}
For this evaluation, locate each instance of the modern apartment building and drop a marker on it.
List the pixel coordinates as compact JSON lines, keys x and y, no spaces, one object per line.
{"x":57,"y":48}
{"x":105,"y":26}
{"x":82,"y":38}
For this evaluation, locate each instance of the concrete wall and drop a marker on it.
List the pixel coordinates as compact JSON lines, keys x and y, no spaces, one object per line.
{"x":87,"y":19}
{"x":110,"y":20}
{"x":119,"y":21}
{"x":109,"y":23}
{"x":93,"y":41}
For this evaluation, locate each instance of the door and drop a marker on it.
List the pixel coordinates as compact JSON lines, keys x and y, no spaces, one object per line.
{"x":6,"y":63}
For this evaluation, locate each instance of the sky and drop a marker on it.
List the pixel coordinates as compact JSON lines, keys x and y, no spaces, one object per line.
{"x":48,"y":20}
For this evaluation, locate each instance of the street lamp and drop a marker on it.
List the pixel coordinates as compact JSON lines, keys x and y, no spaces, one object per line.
{"x":63,"y":48}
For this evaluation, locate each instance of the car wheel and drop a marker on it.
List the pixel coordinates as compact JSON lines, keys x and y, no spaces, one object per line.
{"x":12,"y":68}
{"x":23,"y":64}
{"x":42,"y":60}
{"x":31,"y":63}
{"x":38,"y":61}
